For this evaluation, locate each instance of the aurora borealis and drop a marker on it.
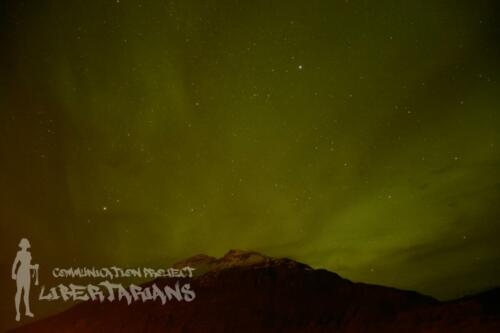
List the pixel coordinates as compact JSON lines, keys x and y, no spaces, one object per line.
{"x":362,"y":137}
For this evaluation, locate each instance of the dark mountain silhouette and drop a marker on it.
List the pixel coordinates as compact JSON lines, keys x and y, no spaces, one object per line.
{"x":249,"y":292}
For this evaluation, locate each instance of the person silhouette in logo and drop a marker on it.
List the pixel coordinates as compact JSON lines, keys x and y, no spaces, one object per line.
{"x":23,"y":276}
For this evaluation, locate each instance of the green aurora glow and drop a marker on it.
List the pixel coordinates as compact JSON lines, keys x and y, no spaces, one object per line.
{"x":362,"y":137}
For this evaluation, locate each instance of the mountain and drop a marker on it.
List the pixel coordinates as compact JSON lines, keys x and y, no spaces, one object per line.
{"x":250,"y":292}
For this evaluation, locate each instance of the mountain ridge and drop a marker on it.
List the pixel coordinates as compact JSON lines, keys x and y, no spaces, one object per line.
{"x":245,"y":291}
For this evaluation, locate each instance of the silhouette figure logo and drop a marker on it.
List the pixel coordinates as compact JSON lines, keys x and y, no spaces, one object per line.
{"x":22,"y":272}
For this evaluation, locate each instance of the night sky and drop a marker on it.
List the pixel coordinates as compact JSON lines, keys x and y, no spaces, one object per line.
{"x":358,"y":136}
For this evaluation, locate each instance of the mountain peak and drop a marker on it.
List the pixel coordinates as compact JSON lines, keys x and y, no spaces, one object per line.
{"x":245,"y":291}
{"x":235,"y":259}
{"x":243,"y":258}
